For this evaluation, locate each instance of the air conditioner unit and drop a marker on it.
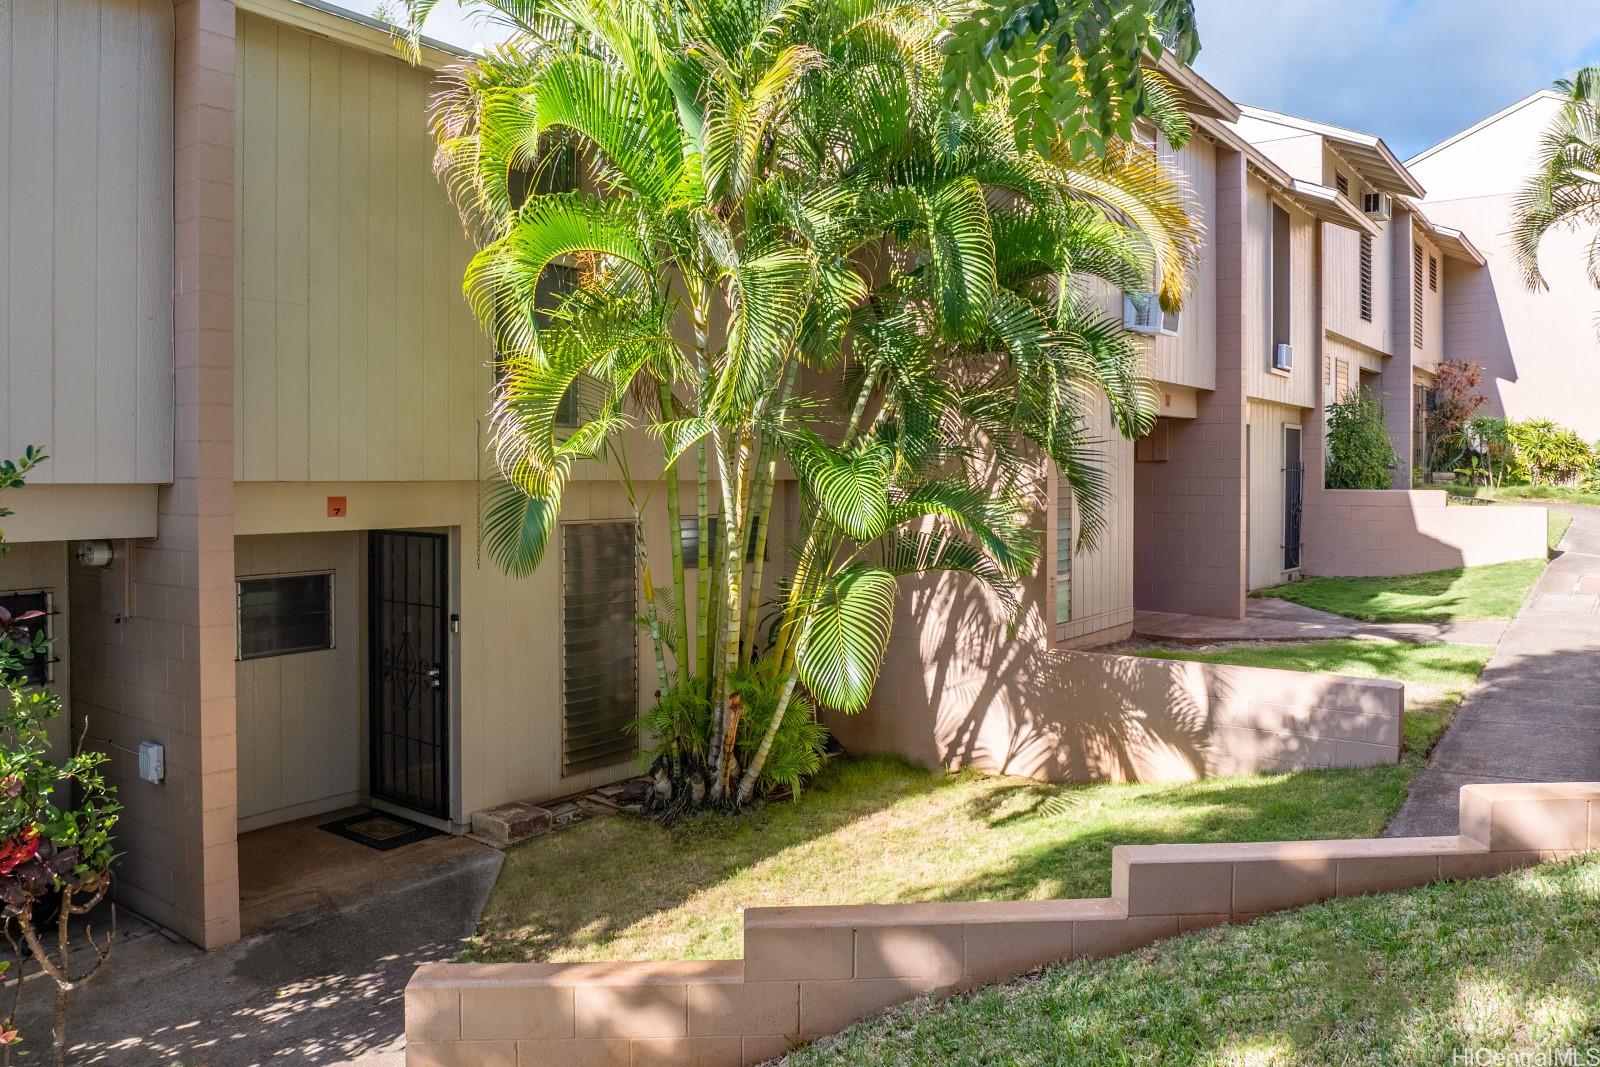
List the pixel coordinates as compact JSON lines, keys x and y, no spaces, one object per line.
{"x":1141,"y":313}
{"x":1378,"y":206}
{"x":1283,"y":357}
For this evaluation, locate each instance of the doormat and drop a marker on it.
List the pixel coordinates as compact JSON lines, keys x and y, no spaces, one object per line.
{"x":379,"y":830}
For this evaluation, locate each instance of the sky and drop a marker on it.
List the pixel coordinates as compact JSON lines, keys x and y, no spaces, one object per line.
{"x":1413,"y":72}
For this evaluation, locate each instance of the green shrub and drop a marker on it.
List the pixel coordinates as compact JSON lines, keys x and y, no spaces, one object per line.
{"x":1359,"y":452}
{"x":1547,"y":453}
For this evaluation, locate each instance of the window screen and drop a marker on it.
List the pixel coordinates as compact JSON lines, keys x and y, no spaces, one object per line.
{"x":37,"y":667}
{"x":1063,"y":551}
{"x":599,"y":645}
{"x":690,"y":526}
{"x":1282,"y":279}
{"x":282,"y":614}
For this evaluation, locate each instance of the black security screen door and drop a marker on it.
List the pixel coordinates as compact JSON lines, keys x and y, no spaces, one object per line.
{"x":1293,"y":492}
{"x":410,"y":699}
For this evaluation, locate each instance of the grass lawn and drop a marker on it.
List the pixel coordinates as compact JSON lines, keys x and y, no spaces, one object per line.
{"x":1554,"y":494}
{"x":1456,"y":595}
{"x":1558,"y":527}
{"x":1504,"y":964}
{"x":880,"y":831}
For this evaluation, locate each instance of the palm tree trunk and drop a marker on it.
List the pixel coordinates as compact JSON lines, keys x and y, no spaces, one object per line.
{"x":675,"y":529}
{"x":733,"y":528}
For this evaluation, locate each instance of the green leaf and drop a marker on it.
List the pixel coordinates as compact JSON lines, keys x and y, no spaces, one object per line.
{"x":515,"y":526}
{"x":851,"y":486}
{"x":847,"y":635}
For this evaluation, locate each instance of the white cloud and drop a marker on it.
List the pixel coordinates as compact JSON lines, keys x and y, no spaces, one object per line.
{"x":1412,"y":71}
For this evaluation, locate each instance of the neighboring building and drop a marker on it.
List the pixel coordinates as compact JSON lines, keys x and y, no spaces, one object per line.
{"x":232,"y":314}
{"x":1539,"y":348}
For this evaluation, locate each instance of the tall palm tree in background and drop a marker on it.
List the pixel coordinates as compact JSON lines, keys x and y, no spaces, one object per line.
{"x":790,"y":248}
{"x":1564,"y":192}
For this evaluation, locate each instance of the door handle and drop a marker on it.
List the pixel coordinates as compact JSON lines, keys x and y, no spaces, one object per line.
{"x":433,"y":676}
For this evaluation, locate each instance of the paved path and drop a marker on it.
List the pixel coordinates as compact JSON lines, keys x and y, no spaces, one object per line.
{"x":1535,"y":713}
{"x":1268,"y":619}
{"x":321,"y":989}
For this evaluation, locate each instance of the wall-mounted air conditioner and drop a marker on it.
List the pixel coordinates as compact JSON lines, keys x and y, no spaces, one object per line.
{"x":1283,"y":357}
{"x":1378,"y":206}
{"x":1141,"y":312}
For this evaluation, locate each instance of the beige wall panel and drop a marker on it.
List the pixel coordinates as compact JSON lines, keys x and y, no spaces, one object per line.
{"x":1261,"y":381}
{"x":1190,"y":357}
{"x":357,"y":356}
{"x":300,"y":716}
{"x":86,"y":343}
{"x":1102,"y":576}
{"x":1266,"y":491}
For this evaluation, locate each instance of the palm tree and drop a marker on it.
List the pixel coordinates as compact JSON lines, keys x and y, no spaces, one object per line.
{"x":774,"y":194}
{"x":1564,"y":192}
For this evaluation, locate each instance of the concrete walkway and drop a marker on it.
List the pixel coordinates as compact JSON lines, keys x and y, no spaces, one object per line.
{"x":1535,"y":713}
{"x":322,"y":988}
{"x":1268,"y":619}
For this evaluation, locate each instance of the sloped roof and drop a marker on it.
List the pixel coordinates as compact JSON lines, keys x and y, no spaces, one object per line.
{"x":1478,"y":127}
{"x":1380,"y":166}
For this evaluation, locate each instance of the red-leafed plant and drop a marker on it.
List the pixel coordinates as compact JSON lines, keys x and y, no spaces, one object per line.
{"x":55,"y":824}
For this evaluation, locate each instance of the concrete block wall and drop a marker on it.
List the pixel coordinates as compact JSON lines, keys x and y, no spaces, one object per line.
{"x":810,"y":972}
{"x":1365,"y":533}
{"x":1062,"y":715}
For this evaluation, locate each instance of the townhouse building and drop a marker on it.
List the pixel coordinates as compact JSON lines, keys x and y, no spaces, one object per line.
{"x":230,"y":310}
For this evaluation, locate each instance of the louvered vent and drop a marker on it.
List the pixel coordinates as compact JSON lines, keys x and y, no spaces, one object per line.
{"x":1416,"y":296}
{"x":599,"y":645}
{"x":1366,"y":278}
{"x":1433,"y":273}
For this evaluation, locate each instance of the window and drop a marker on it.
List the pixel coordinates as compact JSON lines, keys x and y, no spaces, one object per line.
{"x":283,"y":614}
{"x":599,"y":645}
{"x":555,"y":282}
{"x":690,"y":527}
{"x":1366,"y":278}
{"x":1343,"y":183}
{"x":1419,"y":424}
{"x":1063,"y":551}
{"x":1416,"y":296}
{"x":1282,"y":285}
{"x":38,"y":668}
{"x":557,"y":173}
{"x":1433,"y":273}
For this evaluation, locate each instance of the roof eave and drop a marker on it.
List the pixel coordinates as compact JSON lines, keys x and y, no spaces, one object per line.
{"x":1330,"y":205}
{"x":1200,"y":97}
{"x":348,"y":27}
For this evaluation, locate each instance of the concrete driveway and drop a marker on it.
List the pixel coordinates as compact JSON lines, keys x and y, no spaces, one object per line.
{"x":322,"y":987}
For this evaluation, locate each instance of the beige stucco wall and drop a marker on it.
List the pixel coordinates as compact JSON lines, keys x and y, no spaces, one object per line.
{"x":357,"y":356}
{"x":301,"y":716}
{"x":1393,"y":532}
{"x":1539,"y":347}
{"x":86,"y":192}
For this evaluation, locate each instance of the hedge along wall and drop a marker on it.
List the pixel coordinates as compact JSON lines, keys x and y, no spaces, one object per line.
{"x":810,"y":972}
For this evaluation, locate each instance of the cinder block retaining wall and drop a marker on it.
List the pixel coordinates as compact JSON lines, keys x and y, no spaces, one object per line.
{"x":809,"y":972}
{"x":1387,"y":532}
{"x":1072,"y":716}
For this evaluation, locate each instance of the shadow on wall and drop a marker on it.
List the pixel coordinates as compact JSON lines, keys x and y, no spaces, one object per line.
{"x":1389,"y":532}
{"x":961,"y":689}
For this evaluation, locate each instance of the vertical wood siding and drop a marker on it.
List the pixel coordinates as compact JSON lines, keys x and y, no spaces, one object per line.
{"x":300,"y":716}
{"x":1298,"y":386}
{"x":1266,"y":422}
{"x":357,"y":356}
{"x":1190,"y":358}
{"x":1102,"y":576}
{"x":86,"y":350}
